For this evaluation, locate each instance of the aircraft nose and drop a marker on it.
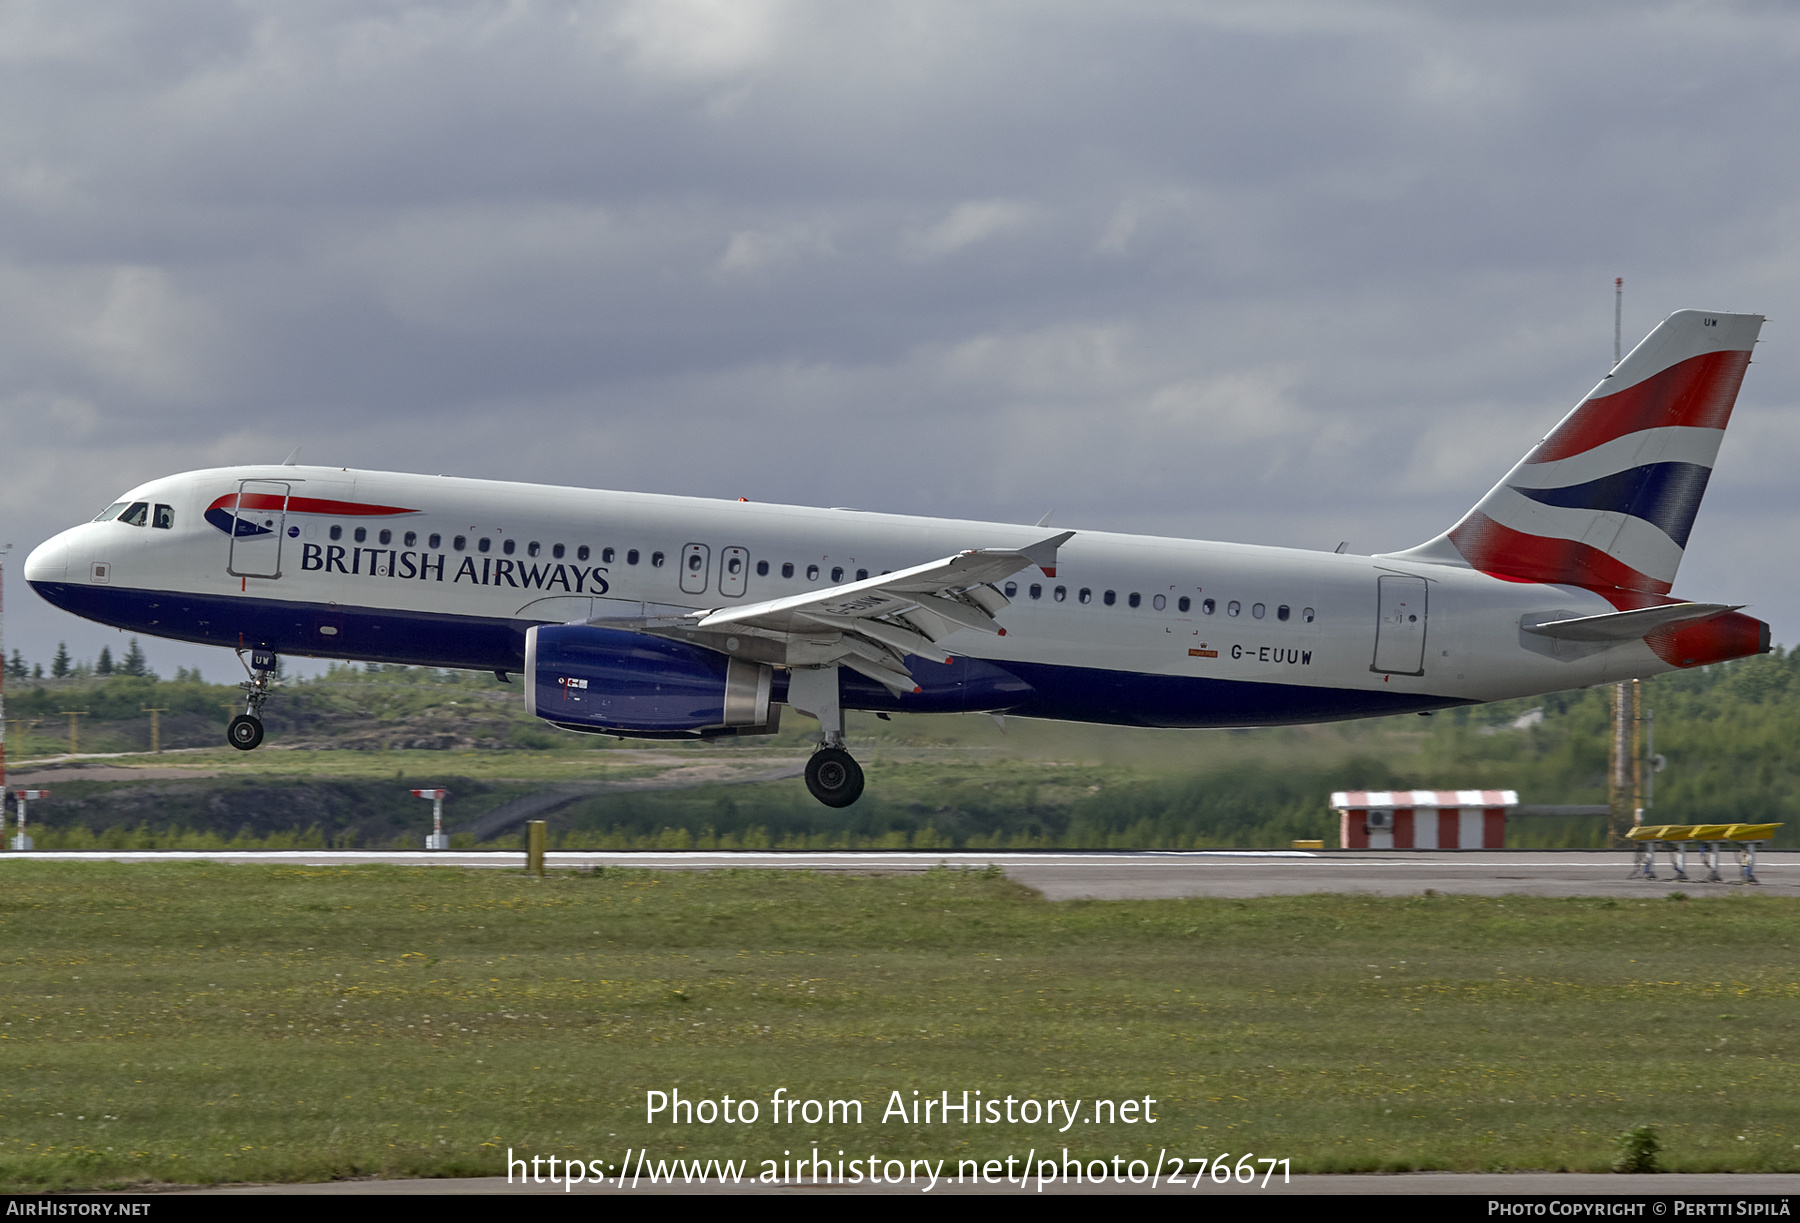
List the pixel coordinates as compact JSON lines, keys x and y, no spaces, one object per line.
{"x":49,"y":561}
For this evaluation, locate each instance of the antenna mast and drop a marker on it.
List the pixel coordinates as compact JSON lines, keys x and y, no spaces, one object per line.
{"x":1618,"y":314}
{"x":1625,"y":777}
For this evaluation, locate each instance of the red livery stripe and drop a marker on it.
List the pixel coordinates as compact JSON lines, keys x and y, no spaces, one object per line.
{"x":1697,"y":393}
{"x":1502,"y":552}
{"x":305,"y":505}
{"x":1732,"y":635}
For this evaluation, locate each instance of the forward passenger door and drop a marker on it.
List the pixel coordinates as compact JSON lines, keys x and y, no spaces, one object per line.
{"x":258,"y":522}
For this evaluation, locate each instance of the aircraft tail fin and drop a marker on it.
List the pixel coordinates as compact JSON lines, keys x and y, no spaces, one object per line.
{"x":1606,"y":501}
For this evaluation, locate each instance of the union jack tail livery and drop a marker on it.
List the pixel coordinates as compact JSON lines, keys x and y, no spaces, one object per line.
{"x":1607,"y":500}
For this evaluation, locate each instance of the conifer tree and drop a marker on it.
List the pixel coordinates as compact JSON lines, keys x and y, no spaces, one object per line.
{"x":134,"y":663}
{"x":104,"y":666}
{"x":60,"y":665}
{"x":16,"y":669}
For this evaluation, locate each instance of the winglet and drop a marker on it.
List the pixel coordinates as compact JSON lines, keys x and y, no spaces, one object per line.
{"x":1043,"y":553}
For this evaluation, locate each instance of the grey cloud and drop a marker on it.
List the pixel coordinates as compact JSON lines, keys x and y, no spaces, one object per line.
{"x":1284,"y":272}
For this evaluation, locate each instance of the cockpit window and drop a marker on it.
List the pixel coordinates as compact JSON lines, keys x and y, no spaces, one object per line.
{"x":139,"y":511}
{"x":111,"y":512}
{"x":164,"y":517}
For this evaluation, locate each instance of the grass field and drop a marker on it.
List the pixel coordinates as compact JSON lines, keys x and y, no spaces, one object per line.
{"x":198,"y":1022}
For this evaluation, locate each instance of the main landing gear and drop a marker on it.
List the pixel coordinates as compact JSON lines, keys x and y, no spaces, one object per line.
{"x":246,"y":730}
{"x":832,"y":775}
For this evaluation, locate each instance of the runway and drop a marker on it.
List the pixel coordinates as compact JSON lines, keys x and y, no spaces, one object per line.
{"x":1100,"y":875}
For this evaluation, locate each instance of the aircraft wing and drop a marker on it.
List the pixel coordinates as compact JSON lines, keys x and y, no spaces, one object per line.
{"x":870,"y":626}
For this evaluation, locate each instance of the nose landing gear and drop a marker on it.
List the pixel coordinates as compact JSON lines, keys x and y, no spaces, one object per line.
{"x":246,"y":730}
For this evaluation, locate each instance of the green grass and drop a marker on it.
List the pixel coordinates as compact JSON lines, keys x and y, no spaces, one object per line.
{"x":198,"y":1022}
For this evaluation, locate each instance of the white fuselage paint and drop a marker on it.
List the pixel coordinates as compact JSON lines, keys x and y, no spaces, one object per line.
{"x":1473,"y":647}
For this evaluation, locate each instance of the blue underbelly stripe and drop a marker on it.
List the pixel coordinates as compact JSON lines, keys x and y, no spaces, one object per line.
{"x":475,"y":643}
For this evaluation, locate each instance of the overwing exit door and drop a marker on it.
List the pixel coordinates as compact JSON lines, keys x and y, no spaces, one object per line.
{"x":1400,"y":631}
{"x":734,"y":572}
{"x":258,"y":522}
{"x":695,"y":562}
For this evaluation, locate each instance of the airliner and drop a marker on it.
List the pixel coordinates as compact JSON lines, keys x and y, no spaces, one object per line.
{"x":647,"y":617}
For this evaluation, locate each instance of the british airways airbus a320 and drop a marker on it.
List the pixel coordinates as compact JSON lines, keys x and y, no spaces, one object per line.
{"x":661,"y":617}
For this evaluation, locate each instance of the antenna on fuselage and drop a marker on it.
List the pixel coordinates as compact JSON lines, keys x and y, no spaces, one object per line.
{"x":292,"y":455}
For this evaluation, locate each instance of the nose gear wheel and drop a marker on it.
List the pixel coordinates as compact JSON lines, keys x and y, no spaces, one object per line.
{"x":245,"y":732}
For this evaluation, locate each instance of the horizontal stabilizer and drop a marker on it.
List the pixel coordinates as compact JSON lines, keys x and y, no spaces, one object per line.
{"x":1625,"y":625}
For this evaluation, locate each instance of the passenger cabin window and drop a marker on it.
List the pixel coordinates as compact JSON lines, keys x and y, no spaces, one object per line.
{"x":1085,"y":595}
{"x":606,"y":554}
{"x":1159,"y":602}
{"x":656,"y":560}
{"x":631,"y":556}
{"x":362,"y":534}
{"x":862,"y":575}
{"x":436,"y":541}
{"x":1012,"y":588}
{"x":483,"y":544}
{"x":164,"y":517}
{"x":812,"y":573}
{"x":557,"y":550}
{"x":337,"y":532}
{"x":1134,"y":598}
{"x":1233,"y":608}
{"x":1257,"y":610}
{"x":1037,"y":592}
{"x":409,"y":539}
{"x":387,"y":536}
{"x":1110,"y":597}
{"x":1208,"y":606}
{"x":1184,"y":603}
{"x":1062,"y":592}
{"x":110,"y":512}
{"x":787,"y":569}
{"x":533,"y":548}
{"x":581,"y":554}
{"x":1306,"y":614}
{"x":762,"y":569}
{"x":694,"y":562}
{"x":507,"y":546}
{"x":837,"y":573}
{"x":459,"y":543}
{"x":1281,"y":613}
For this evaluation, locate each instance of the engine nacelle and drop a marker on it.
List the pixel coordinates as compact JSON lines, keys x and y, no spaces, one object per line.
{"x":618,"y":682}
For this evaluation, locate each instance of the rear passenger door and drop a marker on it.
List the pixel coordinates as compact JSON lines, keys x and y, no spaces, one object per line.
{"x":1400,"y":628}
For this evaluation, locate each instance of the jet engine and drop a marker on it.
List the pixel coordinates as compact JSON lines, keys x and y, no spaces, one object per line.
{"x":613,"y":681}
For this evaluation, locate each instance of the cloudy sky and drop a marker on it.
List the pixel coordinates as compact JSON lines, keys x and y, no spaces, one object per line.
{"x":1277,"y":272}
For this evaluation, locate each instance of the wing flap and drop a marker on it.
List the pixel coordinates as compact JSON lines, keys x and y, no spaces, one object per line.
{"x":878,"y":621}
